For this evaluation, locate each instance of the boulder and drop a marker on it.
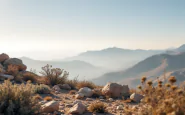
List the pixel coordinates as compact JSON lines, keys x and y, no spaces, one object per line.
{"x":115,"y":90}
{"x":78,"y":108}
{"x":136,"y":97}
{"x":56,"y":88}
{"x":79,"y":96}
{"x":87,"y":92}
{"x":50,"y":107}
{"x":120,"y":107}
{"x":65,"y":86}
{"x":3,"y":57}
{"x":16,"y":62}
{"x":4,"y":76}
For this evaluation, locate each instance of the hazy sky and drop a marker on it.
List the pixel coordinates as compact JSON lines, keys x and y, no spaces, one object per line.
{"x":53,"y":29}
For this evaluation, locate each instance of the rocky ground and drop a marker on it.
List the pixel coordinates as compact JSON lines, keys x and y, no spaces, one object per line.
{"x":68,"y":103}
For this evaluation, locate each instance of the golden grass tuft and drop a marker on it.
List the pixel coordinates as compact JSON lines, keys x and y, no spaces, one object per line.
{"x":97,"y":107}
{"x":82,"y":84}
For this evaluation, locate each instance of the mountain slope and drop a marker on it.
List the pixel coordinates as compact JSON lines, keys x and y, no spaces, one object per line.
{"x":152,"y":66}
{"x":75,"y":68}
{"x":114,"y":58}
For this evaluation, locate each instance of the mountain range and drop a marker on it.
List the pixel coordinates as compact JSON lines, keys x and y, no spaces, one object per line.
{"x":152,"y":67}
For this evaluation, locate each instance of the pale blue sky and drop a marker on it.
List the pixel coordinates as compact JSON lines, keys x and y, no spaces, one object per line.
{"x":29,"y":27}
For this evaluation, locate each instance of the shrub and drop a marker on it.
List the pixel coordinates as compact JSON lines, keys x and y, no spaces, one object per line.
{"x":73,"y":83}
{"x":97,"y":107}
{"x":54,"y":76}
{"x":17,"y":99}
{"x":29,"y":76}
{"x":48,"y":98}
{"x":163,"y":99}
{"x":42,"y":89}
{"x":85,"y":83}
{"x":97,"y":93}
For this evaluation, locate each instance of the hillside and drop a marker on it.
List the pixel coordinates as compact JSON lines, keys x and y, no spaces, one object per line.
{"x":114,"y":58}
{"x":151,"y":67}
{"x":76,"y":67}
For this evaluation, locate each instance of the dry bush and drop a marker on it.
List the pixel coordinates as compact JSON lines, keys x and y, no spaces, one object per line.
{"x":97,"y":107}
{"x":73,"y":83}
{"x":54,"y":76}
{"x":17,"y":99}
{"x":29,"y":76}
{"x":97,"y":93}
{"x":82,"y":84}
{"x":42,"y":89}
{"x":164,"y":98}
{"x":48,"y":98}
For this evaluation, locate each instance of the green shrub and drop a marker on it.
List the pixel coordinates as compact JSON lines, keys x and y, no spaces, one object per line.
{"x":17,"y":99}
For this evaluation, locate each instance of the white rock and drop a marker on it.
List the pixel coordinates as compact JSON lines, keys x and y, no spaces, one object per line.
{"x":111,"y":100}
{"x":120,"y":107}
{"x":4,"y":76}
{"x":86,"y":91}
{"x":50,"y":107}
{"x":79,"y":108}
{"x":136,"y":97}
{"x":56,"y":88}
{"x":79,"y":96}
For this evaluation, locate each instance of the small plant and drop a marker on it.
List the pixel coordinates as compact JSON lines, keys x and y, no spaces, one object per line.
{"x":54,"y":76}
{"x":97,"y":93}
{"x":37,"y":97}
{"x":42,"y":89}
{"x":17,"y":99}
{"x":73,"y":83}
{"x":85,"y":83}
{"x":97,"y":107}
{"x":48,"y":98}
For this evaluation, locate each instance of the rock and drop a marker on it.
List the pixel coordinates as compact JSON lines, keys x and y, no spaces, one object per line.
{"x":120,"y":107}
{"x":101,"y":97}
{"x":79,"y":96}
{"x":89,"y":99}
{"x":87,"y":92}
{"x":3,"y":57}
{"x":76,"y":101}
{"x":56,"y":88}
{"x":136,"y":97}
{"x":15,"y":61}
{"x":4,"y":76}
{"x":2,"y":69}
{"x":50,"y":107}
{"x":111,"y":100}
{"x":78,"y":108}
{"x":115,"y":90}
{"x":65,"y":86}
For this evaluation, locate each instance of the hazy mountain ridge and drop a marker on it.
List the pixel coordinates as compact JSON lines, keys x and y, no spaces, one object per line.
{"x":114,"y":58}
{"x":75,"y":67}
{"x":152,"y":66}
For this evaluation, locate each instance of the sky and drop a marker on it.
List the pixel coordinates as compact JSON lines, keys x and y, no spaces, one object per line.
{"x":54,"y":29}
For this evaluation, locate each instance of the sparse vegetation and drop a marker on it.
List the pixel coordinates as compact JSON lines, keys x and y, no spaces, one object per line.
{"x":97,"y":107}
{"x":85,"y":83}
{"x":54,"y":76}
{"x":17,"y":99}
{"x":163,"y":99}
{"x":42,"y":89}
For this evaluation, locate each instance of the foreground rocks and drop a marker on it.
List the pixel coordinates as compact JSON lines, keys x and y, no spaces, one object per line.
{"x":3,"y":57}
{"x":78,"y":108}
{"x":16,"y":62}
{"x":87,"y":92}
{"x":115,"y":90}
{"x":136,"y":97}
{"x":50,"y":107}
{"x":4,"y":77}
